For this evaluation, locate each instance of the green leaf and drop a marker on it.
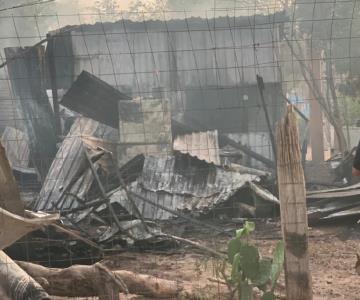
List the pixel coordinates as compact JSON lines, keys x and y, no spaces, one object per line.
{"x":268,"y":296}
{"x":250,"y":226}
{"x":246,"y":292}
{"x":234,"y":246}
{"x":264,"y":272}
{"x":235,"y":270}
{"x":246,"y":230}
{"x":240,"y":233}
{"x":249,"y":261}
{"x":277,"y":264}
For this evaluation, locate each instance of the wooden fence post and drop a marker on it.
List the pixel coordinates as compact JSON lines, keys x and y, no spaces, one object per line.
{"x":293,"y":209}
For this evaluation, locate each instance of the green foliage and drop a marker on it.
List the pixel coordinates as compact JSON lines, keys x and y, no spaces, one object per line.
{"x":249,"y":270}
{"x":277,"y":263}
{"x":264,"y":273}
{"x":234,"y":246}
{"x":249,"y":261}
{"x":246,"y":230}
{"x":245,"y":291}
{"x":235,"y":270}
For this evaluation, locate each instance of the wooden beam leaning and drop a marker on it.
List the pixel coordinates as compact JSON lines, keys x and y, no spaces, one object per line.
{"x":26,"y":73}
{"x":292,"y":196}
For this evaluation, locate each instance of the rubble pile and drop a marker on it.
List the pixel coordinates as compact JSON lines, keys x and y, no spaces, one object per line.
{"x":117,"y":193}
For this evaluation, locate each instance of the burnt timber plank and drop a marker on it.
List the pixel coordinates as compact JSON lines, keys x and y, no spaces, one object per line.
{"x":26,"y":72}
{"x":95,"y":99}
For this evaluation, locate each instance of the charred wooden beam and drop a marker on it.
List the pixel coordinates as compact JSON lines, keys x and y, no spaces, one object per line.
{"x":26,"y":73}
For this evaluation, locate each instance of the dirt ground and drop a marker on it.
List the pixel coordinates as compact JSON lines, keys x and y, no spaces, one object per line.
{"x":332,"y":254}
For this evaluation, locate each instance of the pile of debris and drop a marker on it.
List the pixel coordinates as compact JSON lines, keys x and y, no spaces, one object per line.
{"x":119,"y":169}
{"x":85,"y":186}
{"x":108,"y":180}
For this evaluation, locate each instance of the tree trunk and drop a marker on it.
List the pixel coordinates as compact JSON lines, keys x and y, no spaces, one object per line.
{"x":15,"y":284}
{"x":96,"y":280}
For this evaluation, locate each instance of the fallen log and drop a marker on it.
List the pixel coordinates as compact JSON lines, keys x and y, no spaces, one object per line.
{"x":97,"y":280}
{"x":15,"y":284}
{"x":78,"y":281}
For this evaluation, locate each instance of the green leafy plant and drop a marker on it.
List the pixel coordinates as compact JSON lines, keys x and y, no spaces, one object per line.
{"x":249,"y":270}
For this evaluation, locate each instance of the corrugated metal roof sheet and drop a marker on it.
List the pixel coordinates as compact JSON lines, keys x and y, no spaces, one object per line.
{"x":186,"y":23}
{"x":141,"y":55}
{"x":184,"y":183}
{"x":352,"y":190}
{"x":334,"y":203}
{"x":204,"y":145}
{"x":69,"y":172}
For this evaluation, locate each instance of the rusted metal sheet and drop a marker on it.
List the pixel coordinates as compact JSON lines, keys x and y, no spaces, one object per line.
{"x":94,"y":98}
{"x":204,"y":145}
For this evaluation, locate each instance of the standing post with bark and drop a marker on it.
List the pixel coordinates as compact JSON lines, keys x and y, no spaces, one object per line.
{"x":294,"y":223}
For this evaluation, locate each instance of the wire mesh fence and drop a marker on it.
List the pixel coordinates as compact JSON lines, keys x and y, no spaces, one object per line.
{"x":150,"y":134}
